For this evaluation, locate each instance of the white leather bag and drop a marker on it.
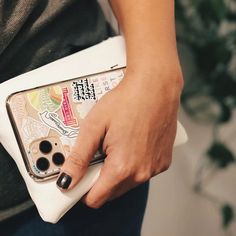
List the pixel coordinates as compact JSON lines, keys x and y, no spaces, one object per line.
{"x":51,"y":203}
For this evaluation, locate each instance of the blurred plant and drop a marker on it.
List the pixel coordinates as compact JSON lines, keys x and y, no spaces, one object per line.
{"x":208,"y":29}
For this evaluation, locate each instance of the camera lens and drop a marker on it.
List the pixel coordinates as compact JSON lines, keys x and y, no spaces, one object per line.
{"x":58,"y":158}
{"x":45,"y":146}
{"x":42,"y":164}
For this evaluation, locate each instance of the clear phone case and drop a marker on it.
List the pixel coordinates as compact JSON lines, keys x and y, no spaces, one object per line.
{"x":46,"y":120}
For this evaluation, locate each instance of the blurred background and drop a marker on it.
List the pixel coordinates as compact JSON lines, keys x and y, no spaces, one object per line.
{"x":197,"y":195}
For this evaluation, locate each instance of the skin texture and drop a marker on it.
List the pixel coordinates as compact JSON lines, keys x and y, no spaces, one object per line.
{"x":136,"y":121}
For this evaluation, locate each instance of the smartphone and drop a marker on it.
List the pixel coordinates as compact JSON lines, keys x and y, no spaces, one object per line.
{"x":46,"y":120}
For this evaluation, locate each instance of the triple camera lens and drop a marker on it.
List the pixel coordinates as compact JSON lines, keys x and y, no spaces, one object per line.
{"x":45,"y":147}
{"x":58,"y":158}
{"x":43,"y":163}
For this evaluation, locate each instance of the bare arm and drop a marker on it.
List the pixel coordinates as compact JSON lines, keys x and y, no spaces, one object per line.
{"x":137,"y":120}
{"x":149,"y":30}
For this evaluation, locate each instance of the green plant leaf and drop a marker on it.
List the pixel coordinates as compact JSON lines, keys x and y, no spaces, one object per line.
{"x":227,"y":214}
{"x":211,"y":10}
{"x":222,"y":86}
{"x":180,"y":11}
{"x":209,"y":55}
{"x":231,"y":16}
{"x":226,"y":113}
{"x":220,"y":155}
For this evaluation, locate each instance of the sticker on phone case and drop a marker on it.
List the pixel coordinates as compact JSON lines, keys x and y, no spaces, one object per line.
{"x":53,"y":121}
{"x":106,"y":82}
{"x":69,"y":118}
{"x":32,"y":129}
{"x":49,"y":98}
{"x":67,"y":144}
{"x":19,"y":109}
{"x":83,"y":89}
{"x":84,"y":108}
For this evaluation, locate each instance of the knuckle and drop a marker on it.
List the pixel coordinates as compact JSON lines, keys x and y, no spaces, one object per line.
{"x":163,"y":164}
{"x":161,"y":168}
{"x":121,"y":171}
{"x":165,"y":167}
{"x":77,"y":161}
{"x":92,"y":204}
{"x":155,"y":172}
{"x":142,"y":176}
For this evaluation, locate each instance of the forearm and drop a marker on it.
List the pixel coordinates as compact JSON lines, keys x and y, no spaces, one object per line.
{"x":149,"y":31}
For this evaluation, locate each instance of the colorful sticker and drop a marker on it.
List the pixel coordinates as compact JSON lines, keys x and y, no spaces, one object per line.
{"x":53,"y":121}
{"x":83,"y":90}
{"x":32,"y":129}
{"x":49,"y":98}
{"x":69,"y":118}
{"x":103,"y":84}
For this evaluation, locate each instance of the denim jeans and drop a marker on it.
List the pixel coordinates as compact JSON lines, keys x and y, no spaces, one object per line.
{"x":120,"y":217}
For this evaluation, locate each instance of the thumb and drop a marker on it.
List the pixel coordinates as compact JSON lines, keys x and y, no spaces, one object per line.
{"x":87,"y":143}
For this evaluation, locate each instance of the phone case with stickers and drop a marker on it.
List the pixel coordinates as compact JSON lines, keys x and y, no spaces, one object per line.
{"x":46,"y":119}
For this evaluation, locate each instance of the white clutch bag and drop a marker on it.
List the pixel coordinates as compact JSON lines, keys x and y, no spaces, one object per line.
{"x":51,"y":203}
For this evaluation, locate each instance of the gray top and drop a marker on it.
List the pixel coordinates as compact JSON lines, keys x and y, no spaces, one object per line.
{"x":33,"y":33}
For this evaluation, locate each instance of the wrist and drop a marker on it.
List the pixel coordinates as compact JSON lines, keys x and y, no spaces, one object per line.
{"x":160,"y":74}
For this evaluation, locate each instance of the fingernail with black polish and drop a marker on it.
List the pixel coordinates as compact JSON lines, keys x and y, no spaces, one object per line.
{"x":64,"y":181}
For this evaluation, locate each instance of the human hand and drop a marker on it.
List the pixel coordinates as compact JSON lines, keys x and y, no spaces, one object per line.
{"x":136,"y":124}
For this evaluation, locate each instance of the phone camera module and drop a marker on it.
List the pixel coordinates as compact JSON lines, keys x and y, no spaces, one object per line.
{"x":45,"y":146}
{"x":42,"y":164}
{"x":58,"y":158}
